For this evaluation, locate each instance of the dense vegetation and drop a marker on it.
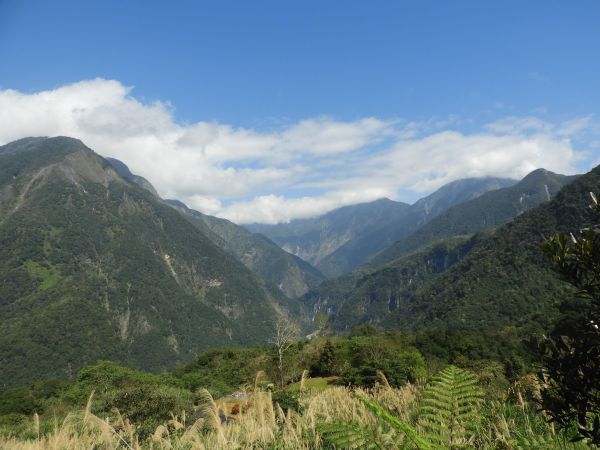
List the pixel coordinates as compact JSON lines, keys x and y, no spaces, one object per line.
{"x":571,"y":351}
{"x":365,"y":390}
{"x":354,"y":360}
{"x":94,"y":267}
{"x":99,"y":280}
{"x":496,"y":283}
{"x":282,"y":270}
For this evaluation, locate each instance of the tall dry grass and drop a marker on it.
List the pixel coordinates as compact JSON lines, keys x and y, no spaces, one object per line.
{"x":260,"y":424}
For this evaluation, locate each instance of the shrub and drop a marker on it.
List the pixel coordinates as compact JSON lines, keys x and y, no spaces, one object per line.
{"x":149,"y":406}
{"x":286,"y":400}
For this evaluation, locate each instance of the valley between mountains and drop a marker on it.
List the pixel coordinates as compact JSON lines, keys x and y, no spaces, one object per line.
{"x":132,"y":321}
{"x":95,"y":265}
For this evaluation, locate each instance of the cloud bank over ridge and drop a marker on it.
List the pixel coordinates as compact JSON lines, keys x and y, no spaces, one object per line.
{"x":294,"y":170}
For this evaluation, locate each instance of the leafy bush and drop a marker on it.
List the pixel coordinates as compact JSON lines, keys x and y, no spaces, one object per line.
{"x":286,"y":400}
{"x":148,"y":406}
{"x":19,"y":400}
{"x":370,"y":355}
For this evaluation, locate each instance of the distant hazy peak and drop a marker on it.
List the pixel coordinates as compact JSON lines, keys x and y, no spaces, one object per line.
{"x":488,"y":210}
{"x":477,"y":180}
{"x":541,"y":174}
{"x":123,"y":170}
{"x":176,"y":203}
{"x":469,"y":187}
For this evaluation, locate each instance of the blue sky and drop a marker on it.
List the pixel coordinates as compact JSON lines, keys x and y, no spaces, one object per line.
{"x":303,"y":106}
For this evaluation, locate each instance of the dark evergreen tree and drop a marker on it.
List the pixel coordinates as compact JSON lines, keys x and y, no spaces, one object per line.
{"x":326,"y":359}
{"x":571,"y":353}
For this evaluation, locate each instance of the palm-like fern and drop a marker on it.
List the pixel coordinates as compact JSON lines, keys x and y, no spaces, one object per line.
{"x":448,"y":417}
{"x":449,"y":413}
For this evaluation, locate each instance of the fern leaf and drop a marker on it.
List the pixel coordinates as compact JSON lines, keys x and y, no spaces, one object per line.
{"x":396,"y":423}
{"x":449,"y":413}
{"x":350,"y":435}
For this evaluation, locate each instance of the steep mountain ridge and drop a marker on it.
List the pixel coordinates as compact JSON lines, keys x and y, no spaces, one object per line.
{"x":124,"y":171}
{"x":316,"y":238}
{"x":457,"y":192}
{"x":94,"y":267}
{"x":292,"y":275}
{"x":489,"y":210}
{"x":341,"y":240}
{"x":283,"y":271}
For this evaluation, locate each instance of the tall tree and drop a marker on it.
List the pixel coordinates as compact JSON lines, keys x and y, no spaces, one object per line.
{"x":286,"y":333}
{"x":326,"y":359}
{"x":571,"y":353}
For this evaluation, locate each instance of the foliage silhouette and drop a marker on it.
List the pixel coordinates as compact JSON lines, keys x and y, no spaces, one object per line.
{"x":571,"y":353}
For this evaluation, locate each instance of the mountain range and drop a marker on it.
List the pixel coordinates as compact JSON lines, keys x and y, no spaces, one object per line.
{"x":343,"y":239}
{"x":496,"y":281}
{"x":95,"y":265}
{"x":289,"y":273}
{"x":487,"y":211}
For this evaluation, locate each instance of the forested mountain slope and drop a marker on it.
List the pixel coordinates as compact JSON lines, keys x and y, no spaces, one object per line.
{"x":94,"y":267}
{"x":485,"y":212}
{"x":341,"y":240}
{"x":290,"y":274}
{"x":496,"y":282}
{"x":283,"y":271}
{"x":371,"y":296}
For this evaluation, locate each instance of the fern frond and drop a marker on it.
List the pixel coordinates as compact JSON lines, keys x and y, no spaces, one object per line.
{"x":351,"y":435}
{"x":449,"y":413}
{"x":448,"y":418}
{"x":396,"y":423}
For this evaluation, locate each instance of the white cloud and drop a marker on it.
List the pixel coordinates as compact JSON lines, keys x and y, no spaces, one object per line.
{"x":277,"y":208}
{"x":297,"y":170}
{"x":434,"y":160}
{"x":514,"y":125}
{"x":327,"y":137}
{"x":530,"y":124}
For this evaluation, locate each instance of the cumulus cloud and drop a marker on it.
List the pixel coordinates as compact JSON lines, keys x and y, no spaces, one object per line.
{"x":437,"y":159}
{"x":297,"y":170}
{"x":277,"y":208}
{"x":328,"y":137}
